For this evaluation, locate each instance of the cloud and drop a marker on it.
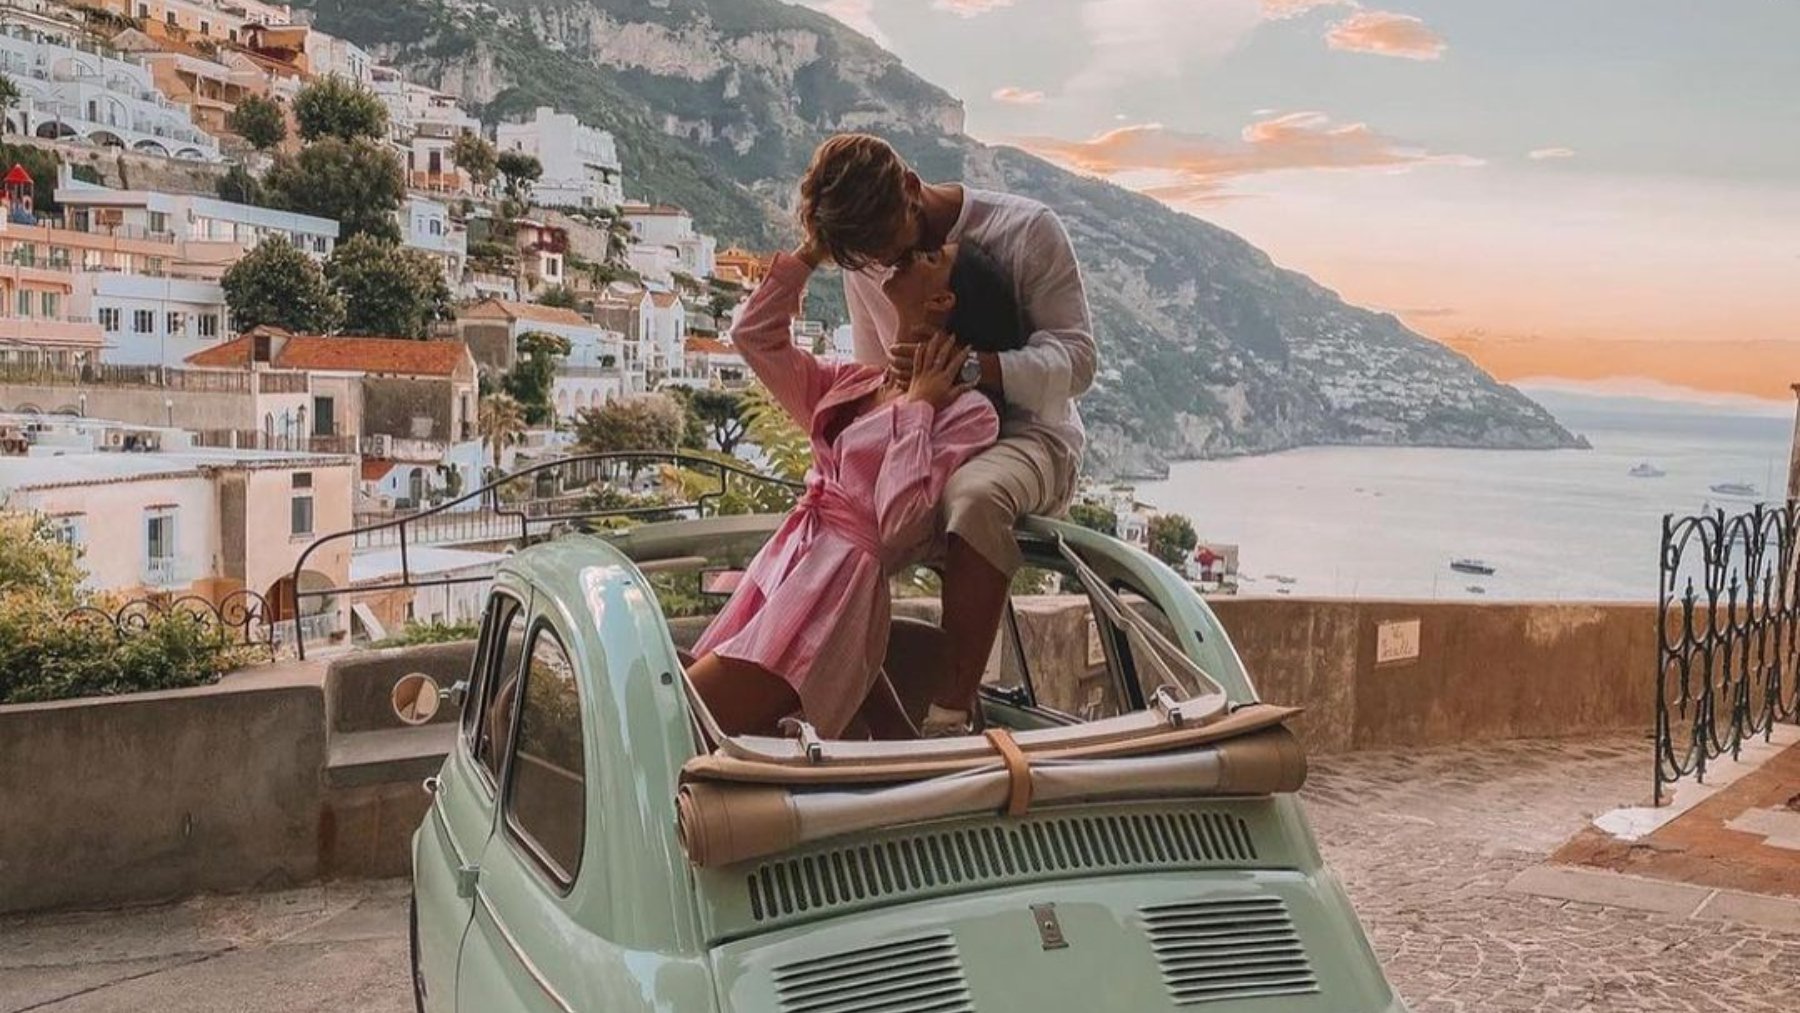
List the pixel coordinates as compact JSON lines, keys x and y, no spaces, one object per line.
{"x":1539,"y":154}
{"x":1281,"y":10}
{"x":1384,"y":33}
{"x":1181,"y":166}
{"x":858,"y":15}
{"x":970,"y":8}
{"x":1013,"y":95}
{"x":1135,"y":41}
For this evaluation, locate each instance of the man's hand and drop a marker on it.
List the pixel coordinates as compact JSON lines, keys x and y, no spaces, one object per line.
{"x":937,"y":364}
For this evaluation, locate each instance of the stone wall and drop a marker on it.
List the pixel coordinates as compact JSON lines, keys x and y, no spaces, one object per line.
{"x":148,"y":406}
{"x":399,"y":407}
{"x":125,"y":170}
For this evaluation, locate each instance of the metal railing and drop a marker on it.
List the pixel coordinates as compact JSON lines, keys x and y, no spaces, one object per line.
{"x":241,"y":617}
{"x":522,"y":507}
{"x":1728,"y":634}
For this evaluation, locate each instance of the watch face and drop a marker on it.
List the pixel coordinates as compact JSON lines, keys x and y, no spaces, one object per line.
{"x":971,"y":369}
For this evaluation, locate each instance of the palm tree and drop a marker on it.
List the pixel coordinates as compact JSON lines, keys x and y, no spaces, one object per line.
{"x":618,"y":240}
{"x":9,"y":95}
{"x":500,"y":421}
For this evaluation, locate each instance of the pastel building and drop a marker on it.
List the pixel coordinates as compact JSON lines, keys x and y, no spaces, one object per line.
{"x":581,"y":163}
{"x":222,"y":20}
{"x":424,"y":124}
{"x":151,"y":513}
{"x":594,"y":372}
{"x":426,"y":225}
{"x":208,"y":234}
{"x":659,"y":225}
{"x":73,"y":90}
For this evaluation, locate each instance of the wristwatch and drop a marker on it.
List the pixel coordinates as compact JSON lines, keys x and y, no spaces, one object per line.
{"x":971,"y":370}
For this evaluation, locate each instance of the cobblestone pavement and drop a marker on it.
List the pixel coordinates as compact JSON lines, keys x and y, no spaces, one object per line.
{"x":1425,"y":841}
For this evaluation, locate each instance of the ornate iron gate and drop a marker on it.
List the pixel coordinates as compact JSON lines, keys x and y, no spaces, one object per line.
{"x":1727,"y":651}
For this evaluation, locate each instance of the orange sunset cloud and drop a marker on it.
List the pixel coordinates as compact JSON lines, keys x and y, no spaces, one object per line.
{"x":1199,"y":165}
{"x":1017,"y":96}
{"x":1761,"y":368}
{"x":1386,"y":34}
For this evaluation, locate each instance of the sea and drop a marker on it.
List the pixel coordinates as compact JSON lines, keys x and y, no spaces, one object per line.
{"x":1373,"y":522}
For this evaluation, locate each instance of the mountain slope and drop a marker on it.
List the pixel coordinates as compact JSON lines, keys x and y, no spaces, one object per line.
{"x":1207,"y":347}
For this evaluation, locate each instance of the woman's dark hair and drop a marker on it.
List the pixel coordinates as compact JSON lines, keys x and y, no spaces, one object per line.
{"x":986,"y":317}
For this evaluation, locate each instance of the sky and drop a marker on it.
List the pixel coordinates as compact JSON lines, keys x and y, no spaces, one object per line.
{"x":1584,"y":189}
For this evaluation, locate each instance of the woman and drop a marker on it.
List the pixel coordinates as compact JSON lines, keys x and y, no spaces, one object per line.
{"x":807,"y":629}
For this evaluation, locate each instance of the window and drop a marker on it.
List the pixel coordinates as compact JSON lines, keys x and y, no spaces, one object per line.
{"x":169,"y":16}
{"x":208,"y":325}
{"x":22,"y":303}
{"x":206,"y":28}
{"x":153,"y":266}
{"x":324,"y":416}
{"x":143,"y":10}
{"x":546,"y":801}
{"x":69,"y":529}
{"x":59,"y":256}
{"x":159,"y":221}
{"x":143,"y":322}
{"x":300,"y":514}
{"x":109,"y":319}
{"x":489,"y":722}
{"x":51,"y":303}
{"x":159,"y":546}
{"x":177,"y":323}
{"x":302,"y":480}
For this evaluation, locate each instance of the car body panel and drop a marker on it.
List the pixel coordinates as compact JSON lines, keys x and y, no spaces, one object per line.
{"x":640,"y":928}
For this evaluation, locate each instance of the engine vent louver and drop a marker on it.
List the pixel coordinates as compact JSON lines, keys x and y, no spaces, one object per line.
{"x":1218,"y":950}
{"x":920,"y":975}
{"x":1033,"y":848}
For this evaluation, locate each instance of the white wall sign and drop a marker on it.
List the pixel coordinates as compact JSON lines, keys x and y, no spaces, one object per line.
{"x":1396,"y":641}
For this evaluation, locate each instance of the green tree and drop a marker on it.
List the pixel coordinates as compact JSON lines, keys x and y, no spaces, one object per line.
{"x":1095,"y":517}
{"x":1172,"y":539}
{"x":277,"y":284}
{"x":646,"y":422}
{"x":533,"y":376}
{"x":473,"y":154}
{"x":259,"y":121}
{"x":785,"y":446}
{"x":335,"y":106}
{"x":518,"y":171}
{"x":387,"y":290}
{"x":500,"y":421}
{"x":9,"y":95}
{"x":34,"y":561}
{"x":560,"y":296}
{"x":42,"y":163}
{"x":359,"y":184}
{"x":240,"y":186}
{"x":722,"y":413}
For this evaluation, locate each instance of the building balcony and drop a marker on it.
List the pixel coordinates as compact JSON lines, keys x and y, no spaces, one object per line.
{"x":164,"y":573}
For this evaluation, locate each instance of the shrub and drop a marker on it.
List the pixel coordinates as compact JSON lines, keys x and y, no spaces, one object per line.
{"x":46,"y":653}
{"x":415,"y":634}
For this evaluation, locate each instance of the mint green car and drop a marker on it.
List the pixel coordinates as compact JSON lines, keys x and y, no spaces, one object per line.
{"x":550,"y":874}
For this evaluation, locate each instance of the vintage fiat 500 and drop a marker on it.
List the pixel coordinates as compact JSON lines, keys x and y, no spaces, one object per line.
{"x":595,"y":843}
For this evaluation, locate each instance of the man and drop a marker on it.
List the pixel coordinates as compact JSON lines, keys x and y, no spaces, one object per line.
{"x":865,"y":209}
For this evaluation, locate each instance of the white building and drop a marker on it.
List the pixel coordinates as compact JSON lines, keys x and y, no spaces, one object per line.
{"x":206,"y":227}
{"x":69,"y":90}
{"x":328,"y":55}
{"x":843,"y":342}
{"x":151,"y":513}
{"x":426,"y":225}
{"x":671,"y":227}
{"x":150,"y":320}
{"x":581,"y":163}
{"x":653,"y":263}
{"x":424,"y":124}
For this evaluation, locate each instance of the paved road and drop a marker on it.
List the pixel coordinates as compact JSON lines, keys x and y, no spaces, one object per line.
{"x":1425,"y":841}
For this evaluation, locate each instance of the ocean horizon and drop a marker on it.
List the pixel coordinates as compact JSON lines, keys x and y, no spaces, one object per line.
{"x":1556,"y":525}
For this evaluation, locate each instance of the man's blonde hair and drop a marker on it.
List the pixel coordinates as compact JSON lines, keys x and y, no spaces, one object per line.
{"x":853,"y":198}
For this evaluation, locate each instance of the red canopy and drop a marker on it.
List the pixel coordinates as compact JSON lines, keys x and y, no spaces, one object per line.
{"x":18,"y":175}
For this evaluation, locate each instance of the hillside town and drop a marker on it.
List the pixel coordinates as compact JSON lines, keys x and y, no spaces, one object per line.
{"x":259,"y":288}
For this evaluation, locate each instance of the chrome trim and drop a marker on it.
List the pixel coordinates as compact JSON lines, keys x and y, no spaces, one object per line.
{"x":518,"y":953}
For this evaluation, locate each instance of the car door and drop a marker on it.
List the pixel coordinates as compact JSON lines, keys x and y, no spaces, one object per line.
{"x":461,"y":817}
{"x":523,"y":944}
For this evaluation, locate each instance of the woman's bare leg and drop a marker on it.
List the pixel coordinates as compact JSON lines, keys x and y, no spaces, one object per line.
{"x":745,"y":699}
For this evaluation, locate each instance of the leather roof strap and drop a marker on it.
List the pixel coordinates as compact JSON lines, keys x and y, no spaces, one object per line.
{"x":1017,"y":767}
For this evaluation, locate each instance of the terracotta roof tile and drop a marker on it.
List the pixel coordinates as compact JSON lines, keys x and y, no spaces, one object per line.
{"x":490,"y":308}
{"x":709,"y":346}
{"x":344,"y":354}
{"x":664,"y":300}
{"x":374,"y":469}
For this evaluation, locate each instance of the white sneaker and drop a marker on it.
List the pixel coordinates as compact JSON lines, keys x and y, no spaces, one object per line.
{"x":943,"y":723}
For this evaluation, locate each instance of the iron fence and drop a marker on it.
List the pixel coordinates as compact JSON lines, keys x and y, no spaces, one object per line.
{"x":519,"y":508}
{"x":242,"y":617}
{"x":1728,"y":633}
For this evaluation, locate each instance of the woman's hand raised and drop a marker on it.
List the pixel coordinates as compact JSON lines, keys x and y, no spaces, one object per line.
{"x":937,"y":365}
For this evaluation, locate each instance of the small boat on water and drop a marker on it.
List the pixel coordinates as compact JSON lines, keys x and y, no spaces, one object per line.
{"x":1476,"y":589}
{"x":1474,"y":566}
{"x":1646,"y":470}
{"x":1734,"y":489}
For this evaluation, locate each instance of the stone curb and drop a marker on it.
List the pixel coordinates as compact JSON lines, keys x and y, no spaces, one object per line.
{"x":1681,"y":900}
